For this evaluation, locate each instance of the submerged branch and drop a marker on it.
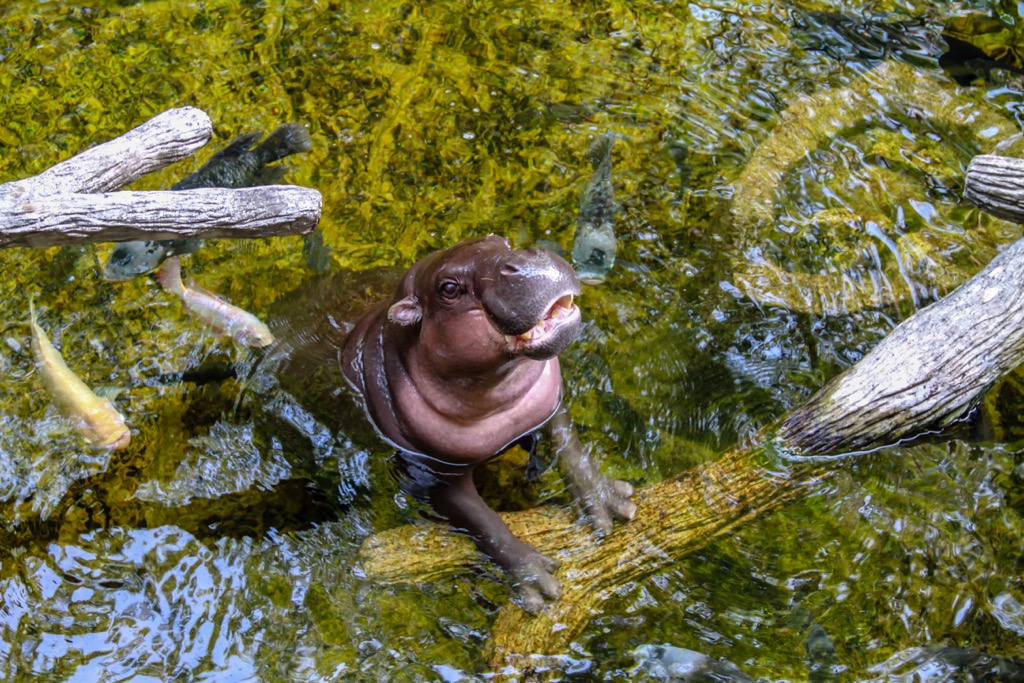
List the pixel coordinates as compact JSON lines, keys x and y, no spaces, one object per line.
{"x":674,"y":517}
{"x":73,"y":201}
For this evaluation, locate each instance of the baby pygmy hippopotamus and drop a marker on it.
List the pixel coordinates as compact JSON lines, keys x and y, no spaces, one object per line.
{"x":461,"y":364}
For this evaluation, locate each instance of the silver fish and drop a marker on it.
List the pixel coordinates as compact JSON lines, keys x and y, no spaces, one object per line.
{"x":594,"y":246}
{"x":234,"y":166}
{"x":94,"y":417}
{"x":222,"y":317}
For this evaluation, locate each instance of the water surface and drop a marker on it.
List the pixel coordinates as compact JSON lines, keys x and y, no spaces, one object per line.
{"x":753,"y":267}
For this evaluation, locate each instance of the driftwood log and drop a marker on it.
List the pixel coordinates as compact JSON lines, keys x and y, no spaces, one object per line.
{"x":927,"y":373}
{"x":75,"y":200}
{"x":996,"y":185}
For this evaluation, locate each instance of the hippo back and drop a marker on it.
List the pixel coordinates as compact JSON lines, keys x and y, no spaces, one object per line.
{"x":311,"y":324}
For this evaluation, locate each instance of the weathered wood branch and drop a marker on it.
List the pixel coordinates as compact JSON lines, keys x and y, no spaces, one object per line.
{"x":926,"y":372}
{"x":264,"y":211}
{"x":996,"y":185}
{"x":168,"y":137}
{"x":924,"y":375}
{"x":73,"y":201}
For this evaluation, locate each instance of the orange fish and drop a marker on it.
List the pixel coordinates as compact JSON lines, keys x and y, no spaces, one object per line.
{"x":94,"y":417}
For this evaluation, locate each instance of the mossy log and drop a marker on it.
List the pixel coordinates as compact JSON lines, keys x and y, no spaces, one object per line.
{"x":674,"y":517}
{"x":927,"y":373}
{"x":74,"y":201}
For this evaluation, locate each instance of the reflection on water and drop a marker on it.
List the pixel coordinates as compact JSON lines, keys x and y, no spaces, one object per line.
{"x":222,"y":545}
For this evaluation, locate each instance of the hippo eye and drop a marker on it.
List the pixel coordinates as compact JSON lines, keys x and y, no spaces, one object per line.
{"x":449,"y":289}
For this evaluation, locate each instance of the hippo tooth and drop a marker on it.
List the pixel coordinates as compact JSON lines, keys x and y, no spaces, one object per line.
{"x":561,"y":308}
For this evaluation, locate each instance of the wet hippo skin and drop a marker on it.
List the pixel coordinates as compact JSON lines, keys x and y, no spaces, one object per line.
{"x":462,"y":363}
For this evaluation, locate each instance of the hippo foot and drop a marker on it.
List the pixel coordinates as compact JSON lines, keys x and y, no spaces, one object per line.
{"x":606,"y":500}
{"x":533,"y":584}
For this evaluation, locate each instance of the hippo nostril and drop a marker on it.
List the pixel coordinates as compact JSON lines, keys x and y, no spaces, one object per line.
{"x":510,"y":269}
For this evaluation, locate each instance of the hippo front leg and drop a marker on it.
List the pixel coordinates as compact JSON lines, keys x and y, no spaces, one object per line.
{"x":604,"y":499}
{"x":531,"y":572}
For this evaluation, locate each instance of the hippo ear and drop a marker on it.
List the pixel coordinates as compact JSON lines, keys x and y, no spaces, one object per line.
{"x":406,"y":311}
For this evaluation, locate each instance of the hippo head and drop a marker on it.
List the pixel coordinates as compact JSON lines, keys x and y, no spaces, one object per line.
{"x":480,"y":302}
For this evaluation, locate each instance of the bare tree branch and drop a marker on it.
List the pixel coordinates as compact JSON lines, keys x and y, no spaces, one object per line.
{"x":264,"y":211}
{"x":996,"y":184}
{"x":73,"y":201}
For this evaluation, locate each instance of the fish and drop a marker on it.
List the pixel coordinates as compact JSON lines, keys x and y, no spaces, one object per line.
{"x":680,"y":154}
{"x":237,"y":165}
{"x":95,"y":418}
{"x":821,"y":655}
{"x":224,"y":318}
{"x":316,"y":251}
{"x":594,"y":245}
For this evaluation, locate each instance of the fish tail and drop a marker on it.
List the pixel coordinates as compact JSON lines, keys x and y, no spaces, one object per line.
{"x":601,"y":149}
{"x":289,"y":138}
{"x":169,"y":276}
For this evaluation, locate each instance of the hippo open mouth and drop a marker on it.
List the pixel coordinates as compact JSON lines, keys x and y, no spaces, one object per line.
{"x":556,"y":329}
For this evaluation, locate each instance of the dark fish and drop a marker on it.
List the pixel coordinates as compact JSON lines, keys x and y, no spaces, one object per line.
{"x":821,"y":656}
{"x":671,"y":663}
{"x":237,"y":165}
{"x":680,"y":154}
{"x":967,"y":64}
{"x":316,"y":252}
{"x":550,"y":113}
{"x":594,"y":246}
{"x":916,"y":41}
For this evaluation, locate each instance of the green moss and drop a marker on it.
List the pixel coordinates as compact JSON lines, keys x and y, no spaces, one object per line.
{"x":432,"y":122}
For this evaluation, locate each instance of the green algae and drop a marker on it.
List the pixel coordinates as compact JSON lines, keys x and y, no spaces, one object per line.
{"x":186,"y":558}
{"x":917,"y":262}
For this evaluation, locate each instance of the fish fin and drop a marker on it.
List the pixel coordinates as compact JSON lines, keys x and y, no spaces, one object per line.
{"x":108,"y":391}
{"x":237,"y":147}
{"x":271,"y":175}
{"x":552,"y":246}
{"x":33,"y":321}
{"x":199,"y":289}
{"x":169,"y":276}
{"x":288,"y":138}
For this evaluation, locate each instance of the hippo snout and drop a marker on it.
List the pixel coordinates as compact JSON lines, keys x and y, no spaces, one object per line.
{"x":525,"y":285}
